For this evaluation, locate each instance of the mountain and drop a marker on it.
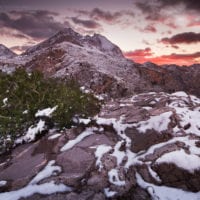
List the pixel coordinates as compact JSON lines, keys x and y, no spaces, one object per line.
{"x":96,"y":42}
{"x":93,"y":61}
{"x":99,"y":65}
{"x":5,"y":52}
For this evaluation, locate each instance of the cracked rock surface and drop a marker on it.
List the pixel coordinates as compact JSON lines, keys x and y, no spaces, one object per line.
{"x":143,"y":147}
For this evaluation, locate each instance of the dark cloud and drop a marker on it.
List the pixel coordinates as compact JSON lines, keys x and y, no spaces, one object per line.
{"x":175,"y":46}
{"x":105,"y":16}
{"x":152,"y":11}
{"x":150,"y":28}
{"x":162,"y":11}
{"x":89,"y":24}
{"x":150,"y":8}
{"x":187,"y":38}
{"x":189,"y":4}
{"x":38,"y":24}
{"x":147,"y":29}
{"x":155,"y":6}
{"x":170,"y":24}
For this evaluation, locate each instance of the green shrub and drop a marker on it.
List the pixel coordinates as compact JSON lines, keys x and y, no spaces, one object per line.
{"x":23,"y":94}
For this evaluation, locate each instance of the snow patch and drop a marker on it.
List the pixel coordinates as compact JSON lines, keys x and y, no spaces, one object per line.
{"x":180,"y":94}
{"x":152,"y":149}
{"x":84,"y":90}
{"x":5,"y":101}
{"x":25,"y":112}
{"x":125,"y":104}
{"x":188,"y":118}
{"x":114,"y":178}
{"x":181,"y":159}
{"x":100,"y":151}
{"x":48,"y":171}
{"x":166,"y":193}
{"x":118,"y":125}
{"x":2,"y":183}
{"x":159,"y":123}
{"x":47,"y":112}
{"x":32,"y":132}
{"x":45,"y":189}
{"x":84,"y":121}
{"x":119,"y":154}
{"x":109,"y":193}
{"x":33,"y":187}
{"x":70,"y":144}
{"x":100,"y":97}
{"x":52,"y":137}
{"x":154,"y":175}
{"x":147,"y":107}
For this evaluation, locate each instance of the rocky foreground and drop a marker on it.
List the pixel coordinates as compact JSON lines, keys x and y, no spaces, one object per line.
{"x":138,"y":148}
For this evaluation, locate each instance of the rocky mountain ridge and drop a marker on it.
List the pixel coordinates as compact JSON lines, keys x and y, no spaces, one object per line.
{"x":96,"y":41}
{"x":100,"y":66}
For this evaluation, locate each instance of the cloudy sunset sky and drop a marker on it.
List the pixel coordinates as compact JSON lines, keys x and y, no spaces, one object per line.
{"x":160,"y":31}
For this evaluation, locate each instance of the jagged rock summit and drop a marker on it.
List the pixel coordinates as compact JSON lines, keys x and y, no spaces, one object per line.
{"x":96,"y":41}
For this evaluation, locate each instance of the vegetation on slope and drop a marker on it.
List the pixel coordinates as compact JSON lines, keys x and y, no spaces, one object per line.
{"x":23,"y":94}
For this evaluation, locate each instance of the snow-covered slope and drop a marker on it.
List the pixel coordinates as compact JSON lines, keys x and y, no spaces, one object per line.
{"x":143,"y":147}
{"x":5,"y":52}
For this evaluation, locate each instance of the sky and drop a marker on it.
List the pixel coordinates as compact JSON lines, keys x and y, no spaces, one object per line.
{"x":159,"y":31}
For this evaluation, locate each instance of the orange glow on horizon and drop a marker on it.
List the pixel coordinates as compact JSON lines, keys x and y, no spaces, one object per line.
{"x":142,"y":56}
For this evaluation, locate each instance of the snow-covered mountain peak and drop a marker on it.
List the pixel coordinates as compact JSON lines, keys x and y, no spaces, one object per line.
{"x":68,"y":35}
{"x":104,"y":45}
{"x":64,"y":35}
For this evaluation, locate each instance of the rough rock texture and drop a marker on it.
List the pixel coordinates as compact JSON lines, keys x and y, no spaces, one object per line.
{"x":171,"y":78}
{"x":134,"y":148}
{"x":7,"y":62}
{"x":6,"y":52}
